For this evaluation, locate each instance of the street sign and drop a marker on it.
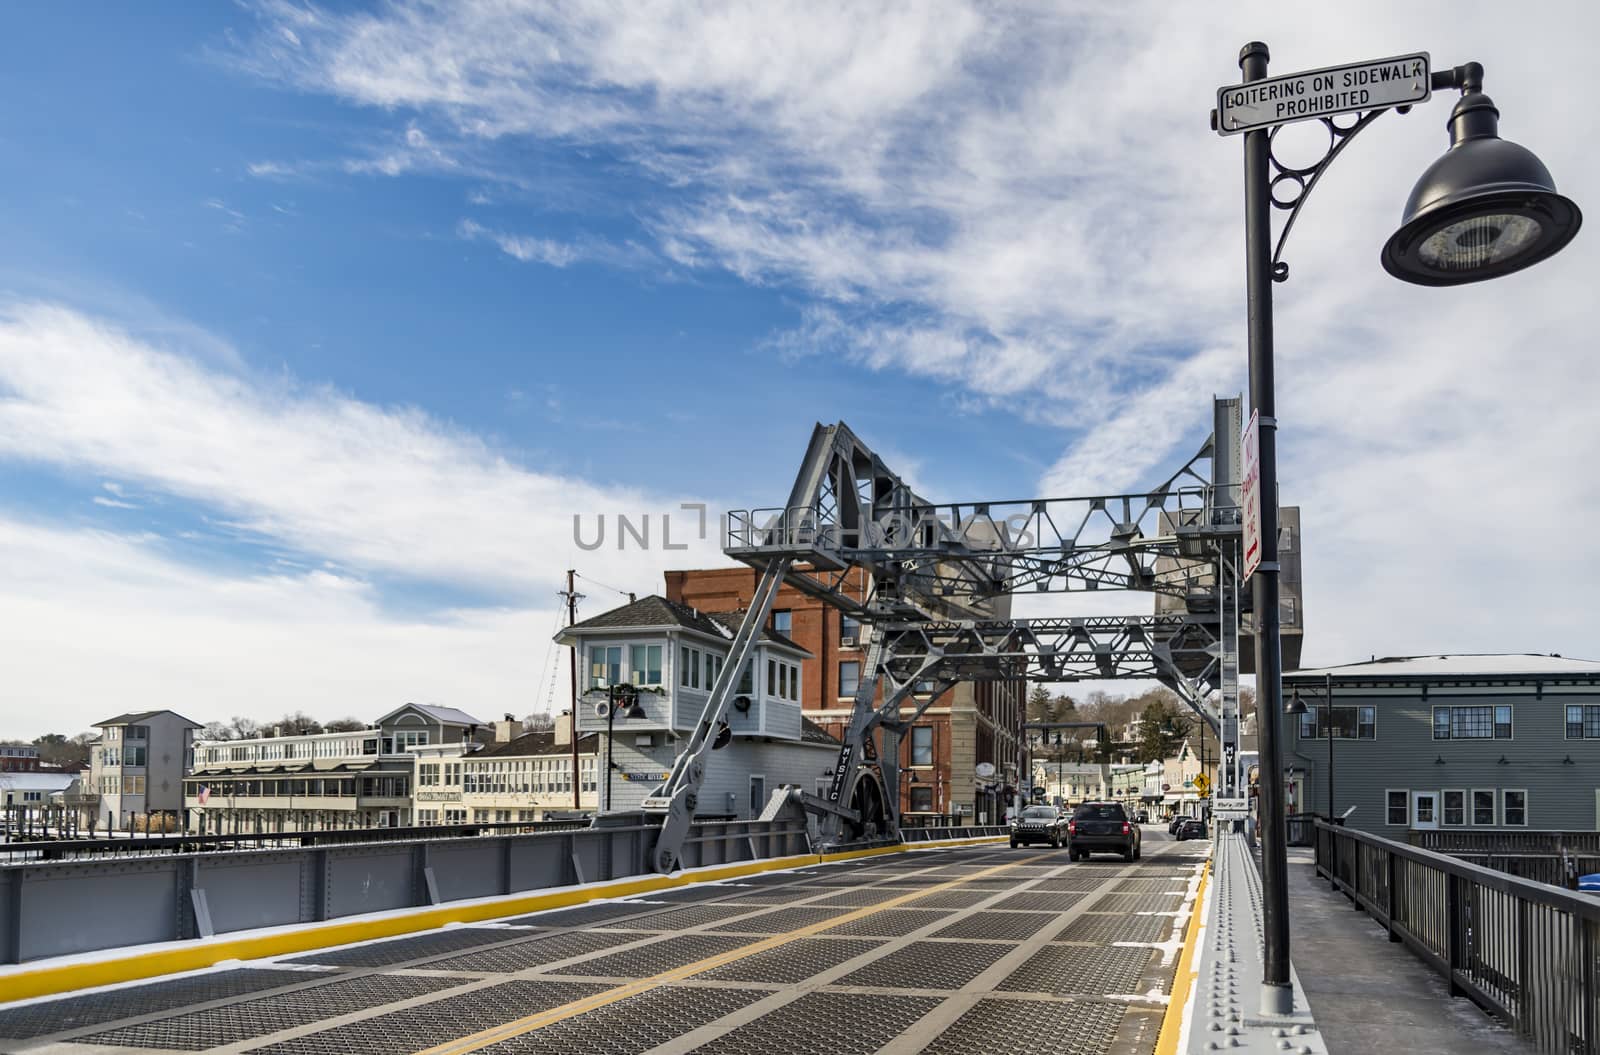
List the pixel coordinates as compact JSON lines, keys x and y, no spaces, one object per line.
{"x":1374,"y":85}
{"x":984,"y":770}
{"x":1202,"y":783}
{"x":1250,"y":493}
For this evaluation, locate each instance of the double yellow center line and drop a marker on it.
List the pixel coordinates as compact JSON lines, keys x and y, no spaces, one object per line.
{"x":538,"y":1020}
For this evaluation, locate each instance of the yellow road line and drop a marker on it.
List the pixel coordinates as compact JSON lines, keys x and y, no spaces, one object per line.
{"x":48,"y":978}
{"x":1183,"y":978}
{"x":538,"y":1020}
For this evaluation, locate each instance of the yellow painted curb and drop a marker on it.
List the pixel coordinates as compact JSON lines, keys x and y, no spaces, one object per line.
{"x":1183,"y":978}
{"x":63,"y":978}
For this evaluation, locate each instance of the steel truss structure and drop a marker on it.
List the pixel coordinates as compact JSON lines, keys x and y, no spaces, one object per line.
{"x":934,"y":583}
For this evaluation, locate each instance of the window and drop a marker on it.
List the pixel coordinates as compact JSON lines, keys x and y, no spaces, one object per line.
{"x":605,"y":666}
{"x":694,"y":668}
{"x":646,"y":665}
{"x":1472,"y":723}
{"x":772,"y":677}
{"x":922,"y":745}
{"x":783,"y":680}
{"x":1583,"y":722}
{"x":1396,"y":807}
{"x":747,"y":679}
{"x":921,"y":798}
{"x":758,"y":795}
{"x":410,"y":738}
{"x":849,"y":630}
{"x":849,"y":677}
{"x":1514,"y":808}
{"x":1349,"y":723}
{"x":782,"y":621}
{"x":794,"y":682}
{"x":713,"y":668}
{"x":683,"y":667}
{"x":1483,"y":808}
{"x":1455,"y":808}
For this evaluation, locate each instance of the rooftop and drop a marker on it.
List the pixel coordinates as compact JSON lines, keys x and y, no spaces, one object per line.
{"x":657,"y":611}
{"x":1531,"y":664}
{"x":135,"y":717}
{"x":537,"y":742}
{"x":447,"y":715}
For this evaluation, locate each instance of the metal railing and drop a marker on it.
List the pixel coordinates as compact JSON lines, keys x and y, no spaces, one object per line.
{"x":1524,"y":950}
{"x":144,"y":845}
{"x":1544,"y":856}
{"x":61,"y":907}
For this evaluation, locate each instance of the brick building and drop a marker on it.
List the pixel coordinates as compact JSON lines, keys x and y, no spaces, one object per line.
{"x":974,"y":723}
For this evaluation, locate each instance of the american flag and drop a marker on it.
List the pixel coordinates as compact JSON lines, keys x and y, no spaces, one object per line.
{"x":205,"y":793}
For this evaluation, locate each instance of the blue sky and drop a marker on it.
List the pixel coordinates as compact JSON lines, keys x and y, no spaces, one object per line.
{"x":320,"y":323}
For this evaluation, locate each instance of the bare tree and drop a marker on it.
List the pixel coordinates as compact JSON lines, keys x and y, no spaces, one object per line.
{"x":299,"y":723}
{"x":241,"y":728}
{"x":538,"y":722}
{"x":344,"y":725}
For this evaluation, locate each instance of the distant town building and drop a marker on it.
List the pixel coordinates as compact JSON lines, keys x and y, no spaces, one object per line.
{"x":136,"y":769}
{"x":972,"y":724}
{"x":31,"y":791}
{"x":1504,"y":742}
{"x":674,"y":652}
{"x":19,"y":758}
{"x":319,"y":781}
{"x":519,"y":776}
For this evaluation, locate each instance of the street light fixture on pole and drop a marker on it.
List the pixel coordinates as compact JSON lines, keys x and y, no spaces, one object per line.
{"x":624,"y":698}
{"x":1297,"y":708}
{"x":1486,"y":208}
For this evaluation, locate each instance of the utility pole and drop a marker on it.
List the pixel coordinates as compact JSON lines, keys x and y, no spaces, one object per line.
{"x":572,"y":597}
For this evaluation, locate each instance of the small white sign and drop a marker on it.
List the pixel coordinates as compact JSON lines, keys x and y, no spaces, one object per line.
{"x":1373,"y":85}
{"x":1250,"y":493}
{"x":985,"y":770}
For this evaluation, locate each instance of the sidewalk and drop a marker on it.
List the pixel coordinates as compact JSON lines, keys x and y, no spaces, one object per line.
{"x":1369,"y":994}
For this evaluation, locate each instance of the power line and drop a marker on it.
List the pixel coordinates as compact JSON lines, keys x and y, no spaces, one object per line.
{"x":629,"y":594}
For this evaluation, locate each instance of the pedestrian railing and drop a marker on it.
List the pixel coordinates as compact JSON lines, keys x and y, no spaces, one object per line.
{"x":1524,"y":950}
{"x":140,"y":844}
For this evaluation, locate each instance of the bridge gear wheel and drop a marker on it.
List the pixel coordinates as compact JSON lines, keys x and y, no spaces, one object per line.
{"x":868,"y":801}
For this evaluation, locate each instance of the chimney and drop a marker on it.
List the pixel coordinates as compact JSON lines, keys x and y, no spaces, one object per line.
{"x":507,"y":729}
{"x":563,"y":730}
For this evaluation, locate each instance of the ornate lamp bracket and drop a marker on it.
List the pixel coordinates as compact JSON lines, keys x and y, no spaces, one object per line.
{"x":1291,"y":186}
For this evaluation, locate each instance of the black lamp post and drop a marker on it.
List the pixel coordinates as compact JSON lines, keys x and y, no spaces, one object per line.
{"x":623,"y":698}
{"x":1061,"y":788}
{"x":1485,"y":209}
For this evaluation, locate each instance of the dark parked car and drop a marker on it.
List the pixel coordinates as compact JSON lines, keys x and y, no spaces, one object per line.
{"x":1103,"y":827}
{"x":1039,"y":824}
{"x":1173,"y":822}
{"x":1191,"y":828}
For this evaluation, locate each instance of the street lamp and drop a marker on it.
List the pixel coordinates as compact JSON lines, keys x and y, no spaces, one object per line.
{"x":624,"y":698}
{"x":1296,"y":707}
{"x":1061,"y":787}
{"x":1485,"y":209}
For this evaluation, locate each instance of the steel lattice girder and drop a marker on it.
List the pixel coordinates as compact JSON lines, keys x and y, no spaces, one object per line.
{"x":1181,"y":651}
{"x":848,"y":511}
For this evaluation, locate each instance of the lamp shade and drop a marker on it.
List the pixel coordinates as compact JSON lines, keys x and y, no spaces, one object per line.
{"x":1488,"y":207}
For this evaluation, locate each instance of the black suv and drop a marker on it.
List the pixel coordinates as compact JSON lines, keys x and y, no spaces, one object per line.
{"x":1039,"y":824}
{"x":1103,"y":827}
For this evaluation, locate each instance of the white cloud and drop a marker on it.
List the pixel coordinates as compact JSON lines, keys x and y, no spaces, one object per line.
{"x":523,"y":247}
{"x":100,"y":623}
{"x":1028,"y":206}
{"x":113,"y":503}
{"x":385,"y":490}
